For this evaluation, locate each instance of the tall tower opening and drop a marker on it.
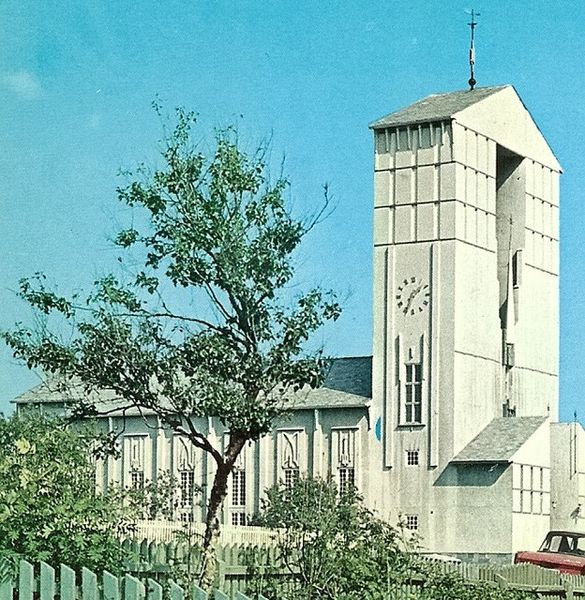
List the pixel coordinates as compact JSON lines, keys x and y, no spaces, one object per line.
{"x":510,"y":242}
{"x":510,"y":220}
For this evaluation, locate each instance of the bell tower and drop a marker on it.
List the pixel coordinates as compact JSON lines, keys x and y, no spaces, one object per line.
{"x":465,"y":281}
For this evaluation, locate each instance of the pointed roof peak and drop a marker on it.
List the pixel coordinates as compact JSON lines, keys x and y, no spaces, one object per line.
{"x":436,"y":107}
{"x":496,"y":112}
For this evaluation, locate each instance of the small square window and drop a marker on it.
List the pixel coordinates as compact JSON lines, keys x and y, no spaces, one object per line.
{"x":137,"y":480}
{"x":412,"y":522}
{"x":412,"y":459}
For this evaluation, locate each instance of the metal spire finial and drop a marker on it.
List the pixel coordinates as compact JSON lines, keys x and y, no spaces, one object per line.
{"x":472,"y":25}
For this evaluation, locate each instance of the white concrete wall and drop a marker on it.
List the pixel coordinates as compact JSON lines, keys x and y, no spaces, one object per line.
{"x":472,"y":510}
{"x":160,"y":451}
{"x":568,"y":476}
{"x":531,"y":491}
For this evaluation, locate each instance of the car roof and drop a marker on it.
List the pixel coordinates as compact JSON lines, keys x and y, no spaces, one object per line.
{"x":565,"y":532}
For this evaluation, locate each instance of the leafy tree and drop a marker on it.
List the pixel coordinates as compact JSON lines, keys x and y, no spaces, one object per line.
{"x":330,"y":543}
{"x":206,"y":327}
{"x":333,"y":547}
{"x":49,"y":507}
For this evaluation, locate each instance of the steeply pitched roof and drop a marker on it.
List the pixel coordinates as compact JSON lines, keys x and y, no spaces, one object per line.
{"x":436,"y":107}
{"x":55,"y":390}
{"x":351,"y":374}
{"x":348,"y":384}
{"x":500,"y":440}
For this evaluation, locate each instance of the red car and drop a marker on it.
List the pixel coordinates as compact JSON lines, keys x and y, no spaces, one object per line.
{"x":561,"y":550}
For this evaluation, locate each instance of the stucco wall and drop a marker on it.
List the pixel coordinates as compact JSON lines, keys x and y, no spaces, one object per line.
{"x":472,"y":510}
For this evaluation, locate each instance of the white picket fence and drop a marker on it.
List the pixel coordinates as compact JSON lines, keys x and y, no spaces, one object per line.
{"x":166,"y":531}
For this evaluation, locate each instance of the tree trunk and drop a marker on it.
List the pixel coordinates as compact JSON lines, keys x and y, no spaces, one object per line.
{"x":210,"y":539}
{"x":214,"y":506}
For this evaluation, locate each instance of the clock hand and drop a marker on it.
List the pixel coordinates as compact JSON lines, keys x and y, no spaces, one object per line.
{"x":410,"y":299}
{"x":412,"y":296}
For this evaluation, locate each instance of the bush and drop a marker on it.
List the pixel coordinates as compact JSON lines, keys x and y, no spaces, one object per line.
{"x":49,"y":507}
{"x":331,"y":546}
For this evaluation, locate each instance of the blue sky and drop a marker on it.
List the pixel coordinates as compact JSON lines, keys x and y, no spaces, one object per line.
{"x":77,"y":80}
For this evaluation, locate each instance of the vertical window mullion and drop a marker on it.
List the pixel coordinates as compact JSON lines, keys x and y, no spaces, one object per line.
{"x":412,"y":404}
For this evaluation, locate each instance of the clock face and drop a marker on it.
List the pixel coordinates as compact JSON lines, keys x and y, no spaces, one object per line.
{"x":413,"y":296}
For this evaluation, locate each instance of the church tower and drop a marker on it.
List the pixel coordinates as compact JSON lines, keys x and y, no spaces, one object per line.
{"x":466,"y":268}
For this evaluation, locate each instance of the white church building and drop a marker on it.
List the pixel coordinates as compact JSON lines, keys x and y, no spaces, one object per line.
{"x":451,"y":426}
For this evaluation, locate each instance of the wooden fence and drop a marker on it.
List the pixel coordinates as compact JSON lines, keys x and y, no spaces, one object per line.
{"x":160,"y":561}
{"x":154,"y":558}
{"x":46,"y":583}
{"x":42,"y":582}
{"x":546,"y":583}
{"x":168,"y":531}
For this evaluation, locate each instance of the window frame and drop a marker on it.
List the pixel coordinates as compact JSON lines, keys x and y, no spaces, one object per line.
{"x":346,"y":479}
{"x":411,"y":522}
{"x":412,"y":403}
{"x":238,"y":494}
{"x":137,"y":479}
{"x":412,"y":458}
{"x":186,"y":488}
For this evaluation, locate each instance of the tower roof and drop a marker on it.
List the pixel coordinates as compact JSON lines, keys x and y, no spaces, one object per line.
{"x":495,"y":112}
{"x":436,"y":107}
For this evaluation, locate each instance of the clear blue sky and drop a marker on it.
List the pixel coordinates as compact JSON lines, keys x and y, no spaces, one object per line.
{"x":77,"y":80}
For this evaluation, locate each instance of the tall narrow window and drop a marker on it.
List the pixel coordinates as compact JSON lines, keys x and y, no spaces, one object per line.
{"x":238,"y":512}
{"x":136,"y":459}
{"x":239,"y":487}
{"x":346,"y":479}
{"x":413,"y":394}
{"x":187,"y":486}
{"x":344,"y":458}
{"x":184,"y":469}
{"x":289,"y":444}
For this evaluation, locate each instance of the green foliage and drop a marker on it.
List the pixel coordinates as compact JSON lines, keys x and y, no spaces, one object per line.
{"x":206,"y":326}
{"x":333,"y":547}
{"x":217,"y":230}
{"x":49,"y":508}
{"x":157,"y":499}
{"x":331,"y":543}
{"x":438,"y":584}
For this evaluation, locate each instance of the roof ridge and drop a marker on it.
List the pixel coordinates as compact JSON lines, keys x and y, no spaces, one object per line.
{"x":437,"y":107}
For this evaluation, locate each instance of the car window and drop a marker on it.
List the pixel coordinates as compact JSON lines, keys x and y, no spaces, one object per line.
{"x":565,"y":544}
{"x":580,"y":545}
{"x":568,"y":544}
{"x":552,"y":544}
